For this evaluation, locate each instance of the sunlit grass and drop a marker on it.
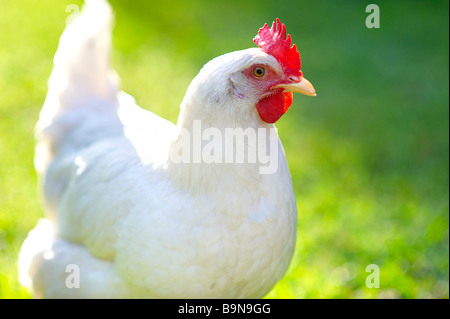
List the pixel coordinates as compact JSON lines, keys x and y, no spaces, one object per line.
{"x":368,"y":156}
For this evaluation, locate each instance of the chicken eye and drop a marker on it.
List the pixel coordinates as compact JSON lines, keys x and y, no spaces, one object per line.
{"x":259,"y":71}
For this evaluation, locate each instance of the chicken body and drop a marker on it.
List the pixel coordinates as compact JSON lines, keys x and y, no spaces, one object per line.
{"x":131,"y":222}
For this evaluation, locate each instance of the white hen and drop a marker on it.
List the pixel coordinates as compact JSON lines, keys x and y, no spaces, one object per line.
{"x":129,"y":220}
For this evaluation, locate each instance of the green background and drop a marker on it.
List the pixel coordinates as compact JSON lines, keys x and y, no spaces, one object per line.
{"x":368,"y":156}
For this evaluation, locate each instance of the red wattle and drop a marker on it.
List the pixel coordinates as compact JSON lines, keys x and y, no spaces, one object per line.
{"x":271,"y":108}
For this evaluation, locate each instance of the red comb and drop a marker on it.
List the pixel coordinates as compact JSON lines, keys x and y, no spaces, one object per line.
{"x":273,"y":41}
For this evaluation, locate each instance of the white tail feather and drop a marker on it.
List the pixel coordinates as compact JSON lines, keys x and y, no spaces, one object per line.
{"x":81,"y":81}
{"x":82,"y":61}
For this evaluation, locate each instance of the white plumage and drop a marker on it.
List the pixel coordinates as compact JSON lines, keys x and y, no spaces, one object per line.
{"x":133,"y":222}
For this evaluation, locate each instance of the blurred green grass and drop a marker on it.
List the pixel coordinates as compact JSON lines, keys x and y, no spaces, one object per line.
{"x":368,"y":156}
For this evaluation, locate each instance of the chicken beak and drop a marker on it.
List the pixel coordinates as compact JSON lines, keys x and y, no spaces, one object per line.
{"x":303,"y":87}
